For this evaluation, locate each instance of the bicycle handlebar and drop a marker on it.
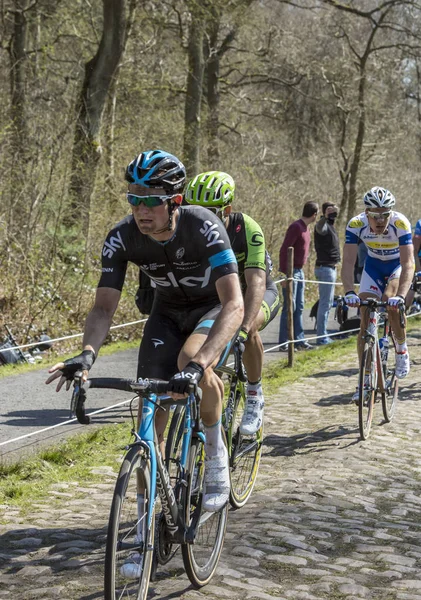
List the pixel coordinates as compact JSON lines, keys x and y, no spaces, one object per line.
{"x":373,"y":303}
{"x":142,"y":386}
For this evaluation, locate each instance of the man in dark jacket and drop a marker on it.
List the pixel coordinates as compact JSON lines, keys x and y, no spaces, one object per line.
{"x":326,"y":242}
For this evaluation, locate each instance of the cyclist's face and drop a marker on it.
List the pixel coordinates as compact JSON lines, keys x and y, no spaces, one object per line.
{"x":378,"y":219}
{"x":147,"y":219}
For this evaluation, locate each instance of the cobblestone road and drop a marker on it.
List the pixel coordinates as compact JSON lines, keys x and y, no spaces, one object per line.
{"x":330,"y":517}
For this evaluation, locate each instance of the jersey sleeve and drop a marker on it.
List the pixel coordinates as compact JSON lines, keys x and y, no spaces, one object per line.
{"x":114,"y":260}
{"x":417,"y":232}
{"x":403,"y":230}
{"x":214,"y":242}
{"x":256,"y":249}
{"x":353,"y":230}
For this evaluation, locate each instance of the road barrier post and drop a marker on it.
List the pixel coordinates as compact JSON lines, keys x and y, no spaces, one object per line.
{"x":290,"y":304}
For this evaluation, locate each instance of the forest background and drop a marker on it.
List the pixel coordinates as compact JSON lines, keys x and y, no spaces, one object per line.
{"x":305,"y":100}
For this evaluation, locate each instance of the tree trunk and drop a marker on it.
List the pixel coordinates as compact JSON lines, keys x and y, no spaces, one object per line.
{"x":194,"y":94}
{"x":212,"y":72}
{"x":110,"y":113}
{"x":99,"y":73}
{"x":353,"y":173}
{"x":17,"y":81}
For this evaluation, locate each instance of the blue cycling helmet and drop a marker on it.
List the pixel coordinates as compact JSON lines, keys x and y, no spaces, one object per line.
{"x":157,"y":169}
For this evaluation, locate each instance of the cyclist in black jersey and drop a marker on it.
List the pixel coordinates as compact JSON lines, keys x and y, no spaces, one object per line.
{"x":198,"y":305}
{"x":215,"y":190}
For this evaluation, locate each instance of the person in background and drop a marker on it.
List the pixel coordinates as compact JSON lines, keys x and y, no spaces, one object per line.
{"x":416,"y":241}
{"x":297,"y":236}
{"x":326,"y":243}
{"x":388,"y":270}
{"x":215,"y":190}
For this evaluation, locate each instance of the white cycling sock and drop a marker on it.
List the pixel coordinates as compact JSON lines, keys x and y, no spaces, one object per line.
{"x":254,"y":389}
{"x":214,"y":445}
{"x":140,"y":514}
{"x":401,"y":348}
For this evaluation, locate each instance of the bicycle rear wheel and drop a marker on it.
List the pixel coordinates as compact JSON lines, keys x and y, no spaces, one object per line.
{"x":244,"y":452}
{"x":201,"y":557}
{"x":367,"y":390}
{"x":129,"y":539}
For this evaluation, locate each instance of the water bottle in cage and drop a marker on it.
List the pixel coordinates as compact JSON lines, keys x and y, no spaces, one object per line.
{"x":384,"y":349}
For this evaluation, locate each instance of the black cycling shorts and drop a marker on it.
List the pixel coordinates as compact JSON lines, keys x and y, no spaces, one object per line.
{"x":165,"y":333}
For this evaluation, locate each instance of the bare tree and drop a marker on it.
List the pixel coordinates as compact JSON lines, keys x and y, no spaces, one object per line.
{"x":194,"y":89}
{"x":99,"y":73}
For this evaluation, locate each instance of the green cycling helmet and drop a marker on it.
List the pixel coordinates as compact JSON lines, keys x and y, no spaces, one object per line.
{"x":210,"y":189}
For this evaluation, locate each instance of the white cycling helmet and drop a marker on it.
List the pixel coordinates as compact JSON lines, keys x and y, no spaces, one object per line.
{"x":379,"y":197}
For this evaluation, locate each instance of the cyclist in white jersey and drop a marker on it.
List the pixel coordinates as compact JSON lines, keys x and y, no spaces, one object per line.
{"x":389,"y":266}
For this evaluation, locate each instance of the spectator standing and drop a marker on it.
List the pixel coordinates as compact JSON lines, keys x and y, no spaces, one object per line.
{"x":297,"y":236}
{"x":328,"y":255}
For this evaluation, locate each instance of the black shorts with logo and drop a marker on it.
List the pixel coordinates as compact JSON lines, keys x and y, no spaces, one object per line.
{"x":165,"y":333}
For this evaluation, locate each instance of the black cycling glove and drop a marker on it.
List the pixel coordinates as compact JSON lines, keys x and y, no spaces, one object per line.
{"x":180,"y":383}
{"x":81,"y":362}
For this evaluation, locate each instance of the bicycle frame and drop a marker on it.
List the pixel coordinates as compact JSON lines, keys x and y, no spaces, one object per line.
{"x":160,"y":478}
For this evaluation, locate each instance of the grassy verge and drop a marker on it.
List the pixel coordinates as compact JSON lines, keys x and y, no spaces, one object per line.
{"x":29,"y":481}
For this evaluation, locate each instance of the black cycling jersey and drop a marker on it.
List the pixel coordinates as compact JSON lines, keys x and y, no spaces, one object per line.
{"x":184,"y":268}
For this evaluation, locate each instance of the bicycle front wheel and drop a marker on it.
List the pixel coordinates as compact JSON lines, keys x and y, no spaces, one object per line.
{"x":245,"y":453}
{"x":390,"y":396}
{"x":201,"y":557}
{"x":130,"y":539}
{"x":367,"y":390}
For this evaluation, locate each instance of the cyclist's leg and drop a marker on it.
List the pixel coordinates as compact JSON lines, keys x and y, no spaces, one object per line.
{"x":372,"y":285}
{"x":160,"y":345}
{"x":217,"y":484}
{"x":399,"y":332}
{"x":253,"y":361}
{"x":157,"y":358}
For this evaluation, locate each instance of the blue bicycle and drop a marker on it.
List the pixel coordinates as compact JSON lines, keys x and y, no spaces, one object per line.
{"x":171,"y":514}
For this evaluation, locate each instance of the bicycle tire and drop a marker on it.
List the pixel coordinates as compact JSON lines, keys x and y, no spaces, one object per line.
{"x":367,"y":390}
{"x":123,"y":527}
{"x":390,"y":396}
{"x":244,"y":452}
{"x":201,"y":557}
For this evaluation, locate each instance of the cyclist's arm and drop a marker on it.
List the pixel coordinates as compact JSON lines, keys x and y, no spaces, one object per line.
{"x":348,"y":262}
{"x":253,"y":297}
{"x":407,"y":264}
{"x":99,"y":320}
{"x":97,"y":325}
{"x":226,"y":324}
{"x":416,"y":240}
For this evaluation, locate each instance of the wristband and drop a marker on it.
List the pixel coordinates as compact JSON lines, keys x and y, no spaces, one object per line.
{"x":400,"y":296}
{"x":243,"y":335}
{"x":350,"y":292}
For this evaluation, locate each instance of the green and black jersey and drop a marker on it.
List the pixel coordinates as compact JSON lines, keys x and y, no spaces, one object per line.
{"x":248,"y":243}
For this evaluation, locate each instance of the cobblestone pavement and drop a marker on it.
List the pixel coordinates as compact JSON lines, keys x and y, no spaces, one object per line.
{"x":330,"y":517}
